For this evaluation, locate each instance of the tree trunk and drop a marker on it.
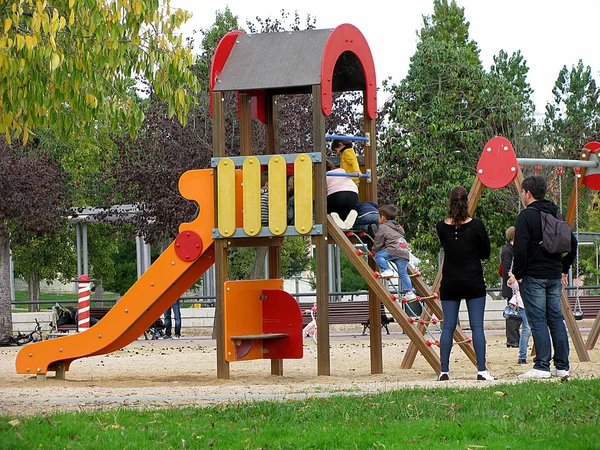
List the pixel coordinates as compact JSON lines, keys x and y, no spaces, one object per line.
{"x":99,"y":294}
{"x":33,"y":289}
{"x":258,"y":271}
{"x":6,"y":324}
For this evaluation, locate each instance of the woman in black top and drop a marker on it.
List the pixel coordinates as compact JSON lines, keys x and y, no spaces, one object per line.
{"x":465,"y":243}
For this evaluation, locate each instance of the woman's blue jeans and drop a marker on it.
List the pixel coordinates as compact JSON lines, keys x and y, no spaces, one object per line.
{"x":475,"y":307}
{"x":525,"y":334}
{"x":176,"y":308}
{"x":542,"y":305}
{"x":383,"y":256}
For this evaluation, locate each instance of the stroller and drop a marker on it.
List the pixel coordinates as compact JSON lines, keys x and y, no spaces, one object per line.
{"x":156,"y":330}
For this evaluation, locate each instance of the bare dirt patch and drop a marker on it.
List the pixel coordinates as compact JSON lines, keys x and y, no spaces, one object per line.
{"x":182,"y":373}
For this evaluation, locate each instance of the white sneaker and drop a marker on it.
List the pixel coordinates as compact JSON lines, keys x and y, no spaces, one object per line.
{"x":444,"y":376}
{"x":338,"y":221}
{"x":388,"y":273}
{"x":559,"y":372}
{"x":535,"y":374}
{"x":350,"y":219}
{"x":410,"y":295}
{"x":485,"y":376}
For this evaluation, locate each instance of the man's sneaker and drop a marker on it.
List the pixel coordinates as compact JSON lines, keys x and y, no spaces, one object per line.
{"x":176,"y":337}
{"x":388,"y":273}
{"x":559,"y":372}
{"x":521,"y":361}
{"x":535,"y":374}
{"x":166,"y":336}
{"x":444,"y":377}
{"x":485,"y":376}
{"x":410,"y":295}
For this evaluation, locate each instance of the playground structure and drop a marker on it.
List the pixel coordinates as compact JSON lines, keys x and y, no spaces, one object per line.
{"x":255,"y":318}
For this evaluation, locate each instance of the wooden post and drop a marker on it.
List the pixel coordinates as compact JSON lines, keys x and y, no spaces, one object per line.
{"x":220,"y":244}
{"x":371,"y":196}
{"x":323,"y":355}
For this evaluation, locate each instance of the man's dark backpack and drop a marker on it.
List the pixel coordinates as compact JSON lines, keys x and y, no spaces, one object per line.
{"x":556,"y":233}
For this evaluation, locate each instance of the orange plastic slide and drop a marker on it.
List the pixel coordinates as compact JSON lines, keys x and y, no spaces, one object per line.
{"x":171,"y":275}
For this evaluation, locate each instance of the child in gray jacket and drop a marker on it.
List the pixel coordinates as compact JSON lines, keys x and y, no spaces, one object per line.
{"x":389,"y":245}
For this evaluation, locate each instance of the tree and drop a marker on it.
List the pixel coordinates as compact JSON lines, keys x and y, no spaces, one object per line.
{"x":67,"y":62}
{"x":436,"y":124}
{"x":34,"y":193}
{"x":64,"y":66}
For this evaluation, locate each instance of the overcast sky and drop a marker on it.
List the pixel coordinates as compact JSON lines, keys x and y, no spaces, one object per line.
{"x":549,"y":34}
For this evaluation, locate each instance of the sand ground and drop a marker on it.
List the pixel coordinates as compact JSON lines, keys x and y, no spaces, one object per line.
{"x":162,"y":373}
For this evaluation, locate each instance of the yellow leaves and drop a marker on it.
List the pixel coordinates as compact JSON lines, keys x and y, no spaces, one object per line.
{"x":72,"y":17}
{"x":7,"y":24}
{"x":30,"y":42}
{"x":40,"y":6}
{"x":135,"y":40}
{"x":62,"y":22}
{"x":137,"y":8}
{"x":91,"y":100}
{"x":71,"y":3}
{"x":20,"y":41}
{"x":54,"y":61}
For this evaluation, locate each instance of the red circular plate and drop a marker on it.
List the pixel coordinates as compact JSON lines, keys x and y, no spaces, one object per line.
{"x":592,"y":174}
{"x":188,"y":245}
{"x":497,"y":166}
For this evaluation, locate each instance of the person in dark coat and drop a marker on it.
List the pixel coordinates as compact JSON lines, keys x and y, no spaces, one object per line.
{"x":513,"y":324}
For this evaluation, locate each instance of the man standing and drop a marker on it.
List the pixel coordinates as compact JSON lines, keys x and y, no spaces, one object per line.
{"x":542,"y":276}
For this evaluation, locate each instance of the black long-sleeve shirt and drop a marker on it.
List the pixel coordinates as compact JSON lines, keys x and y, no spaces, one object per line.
{"x":464,"y":248}
{"x":529,"y":257}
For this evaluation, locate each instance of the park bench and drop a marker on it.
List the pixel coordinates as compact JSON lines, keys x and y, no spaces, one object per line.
{"x":96,"y":312}
{"x":342,"y":313}
{"x":590,"y":305}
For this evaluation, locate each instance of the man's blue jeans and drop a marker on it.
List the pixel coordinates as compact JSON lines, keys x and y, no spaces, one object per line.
{"x":525,"y":334}
{"x":176,"y":308}
{"x":542,"y":306}
{"x":383,"y":256}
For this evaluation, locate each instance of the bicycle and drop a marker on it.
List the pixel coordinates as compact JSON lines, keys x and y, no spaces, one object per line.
{"x":311,"y":328}
{"x":34,"y":336}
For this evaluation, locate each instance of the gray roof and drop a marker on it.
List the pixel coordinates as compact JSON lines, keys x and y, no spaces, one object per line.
{"x":285,"y":63}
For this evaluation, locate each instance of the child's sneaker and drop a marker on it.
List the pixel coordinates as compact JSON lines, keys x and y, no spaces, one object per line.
{"x":559,"y":372}
{"x":535,"y":374}
{"x":387,"y":273}
{"x":410,"y":295}
{"x":350,"y":219}
{"x":444,"y":376}
{"x":338,"y":221}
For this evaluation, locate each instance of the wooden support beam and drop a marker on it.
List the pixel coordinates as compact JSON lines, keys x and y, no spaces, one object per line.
{"x":220,"y":249}
{"x":320,"y":242}
{"x":371,"y":196}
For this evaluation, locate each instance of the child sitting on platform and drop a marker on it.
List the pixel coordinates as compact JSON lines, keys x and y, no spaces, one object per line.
{"x":367,"y":218}
{"x":389,"y":245}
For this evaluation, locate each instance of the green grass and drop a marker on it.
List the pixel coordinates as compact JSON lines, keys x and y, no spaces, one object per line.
{"x":534,"y":415}
{"x":52,"y":298}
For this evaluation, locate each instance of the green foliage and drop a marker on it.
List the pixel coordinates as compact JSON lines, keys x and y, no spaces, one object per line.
{"x":439,"y":118}
{"x":295,"y":258}
{"x":522,"y":415}
{"x":124,"y":264}
{"x":67,"y":63}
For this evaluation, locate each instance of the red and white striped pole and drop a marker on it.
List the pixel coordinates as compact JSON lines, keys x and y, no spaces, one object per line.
{"x":83,"y":304}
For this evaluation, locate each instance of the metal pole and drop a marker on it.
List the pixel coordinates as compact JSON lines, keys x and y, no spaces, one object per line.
{"x":556,"y":162}
{"x":78,"y":231}
{"x":139,"y":250}
{"x":147,"y":255}
{"x":84,"y":239}
{"x":330,"y":269}
{"x":11,"y":267}
{"x":338,"y":269}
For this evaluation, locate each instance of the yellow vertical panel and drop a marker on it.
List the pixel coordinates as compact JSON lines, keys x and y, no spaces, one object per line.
{"x":303,"y":195}
{"x":277,"y":196}
{"x":226,"y":197}
{"x":252,"y":185}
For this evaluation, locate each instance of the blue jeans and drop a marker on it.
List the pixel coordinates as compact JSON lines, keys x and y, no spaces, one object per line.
{"x":542,"y":306}
{"x":362,"y":223}
{"x":382,"y":257}
{"x":475,"y":307}
{"x":176,"y":308}
{"x":525,"y":333}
